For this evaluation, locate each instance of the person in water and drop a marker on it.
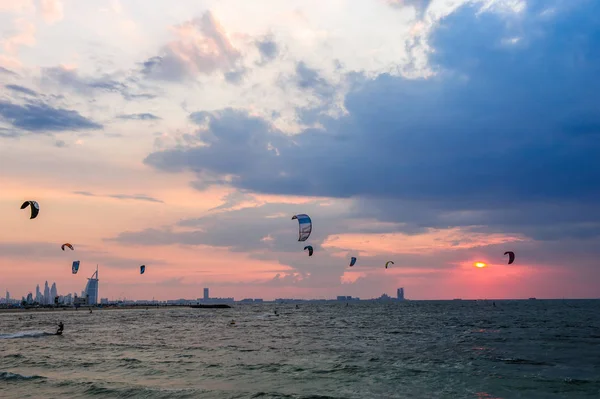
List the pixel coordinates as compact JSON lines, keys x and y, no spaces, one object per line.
{"x":60,"y":328}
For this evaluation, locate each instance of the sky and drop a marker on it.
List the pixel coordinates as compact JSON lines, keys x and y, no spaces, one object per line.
{"x":185,"y":135}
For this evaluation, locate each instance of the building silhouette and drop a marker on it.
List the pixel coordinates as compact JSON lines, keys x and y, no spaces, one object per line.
{"x":91,"y":289}
{"x":46,"y":294}
{"x":206,"y":296}
{"x":53,"y":292}
{"x":400,"y":295}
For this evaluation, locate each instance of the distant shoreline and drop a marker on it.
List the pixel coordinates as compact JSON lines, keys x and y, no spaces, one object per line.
{"x":87,"y":308}
{"x":290,"y":302}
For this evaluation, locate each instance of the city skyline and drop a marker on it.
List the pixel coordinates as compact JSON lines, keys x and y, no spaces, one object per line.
{"x":186,"y":138}
{"x":91,"y":294}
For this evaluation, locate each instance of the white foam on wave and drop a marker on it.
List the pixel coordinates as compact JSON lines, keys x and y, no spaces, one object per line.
{"x":7,"y":375}
{"x":25,"y":334}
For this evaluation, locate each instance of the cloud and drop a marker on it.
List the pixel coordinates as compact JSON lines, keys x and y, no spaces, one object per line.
{"x":62,"y":77}
{"x":16,"y":6}
{"x":60,"y":144}
{"x":419,"y":5}
{"x":140,"y":117}
{"x":251,"y":228}
{"x":201,"y":47}
{"x":309,"y":79}
{"x":40,"y":117}
{"x":21,"y":89}
{"x":8,"y":133}
{"x":268,"y":49}
{"x":266,"y":232}
{"x":7,"y":71}
{"x":489,"y":139}
{"x":236,"y":76}
{"x":137,"y":197}
{"x":24,"y":36}
{"x":52,"y":10}
{"x":44,"y":251}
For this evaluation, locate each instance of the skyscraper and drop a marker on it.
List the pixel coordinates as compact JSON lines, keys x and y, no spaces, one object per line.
{"x":401,"y":294}
{"x":206,"y":293}
{"x":7,"y":296}
{"x":46,"y":294}
{"x":91,"y":288}
{"x":53,"y":292}
{"x":38,"y":294}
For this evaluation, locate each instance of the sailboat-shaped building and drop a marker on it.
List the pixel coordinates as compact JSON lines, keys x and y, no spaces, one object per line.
{"x":91,"y":289}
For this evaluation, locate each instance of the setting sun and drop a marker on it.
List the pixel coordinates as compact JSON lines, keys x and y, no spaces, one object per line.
{"x":480,"y":264}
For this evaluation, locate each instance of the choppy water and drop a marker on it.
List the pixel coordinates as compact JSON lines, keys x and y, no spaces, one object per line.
{"x":453,"y":349}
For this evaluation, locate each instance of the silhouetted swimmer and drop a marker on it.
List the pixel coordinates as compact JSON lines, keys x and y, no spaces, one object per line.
{"x":61,"y":327}
{"x":494,"y":303}
{"x":297,"y":307}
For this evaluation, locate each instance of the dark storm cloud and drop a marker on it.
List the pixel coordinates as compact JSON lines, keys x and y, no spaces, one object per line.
{"x":504,"y":129}
{"x":40,"y":117}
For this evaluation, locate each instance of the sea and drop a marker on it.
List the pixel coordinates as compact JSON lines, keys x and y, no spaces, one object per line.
{"x":412,"y":349}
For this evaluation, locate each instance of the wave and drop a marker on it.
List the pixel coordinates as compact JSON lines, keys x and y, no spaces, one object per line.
{"x":267,"y":316}
{"x":7,"y":376}
{"x":26,"y":334}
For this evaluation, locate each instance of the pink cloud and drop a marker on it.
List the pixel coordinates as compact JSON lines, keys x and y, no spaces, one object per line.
{"x":202,"y":46}
{"x":25,"y":36}
{"x":52,"y":10}
{"x":9,"y":62}
{"x":18,"y":6}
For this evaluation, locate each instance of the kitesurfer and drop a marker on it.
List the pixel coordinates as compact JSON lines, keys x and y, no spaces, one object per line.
{"x":60,"y":328}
